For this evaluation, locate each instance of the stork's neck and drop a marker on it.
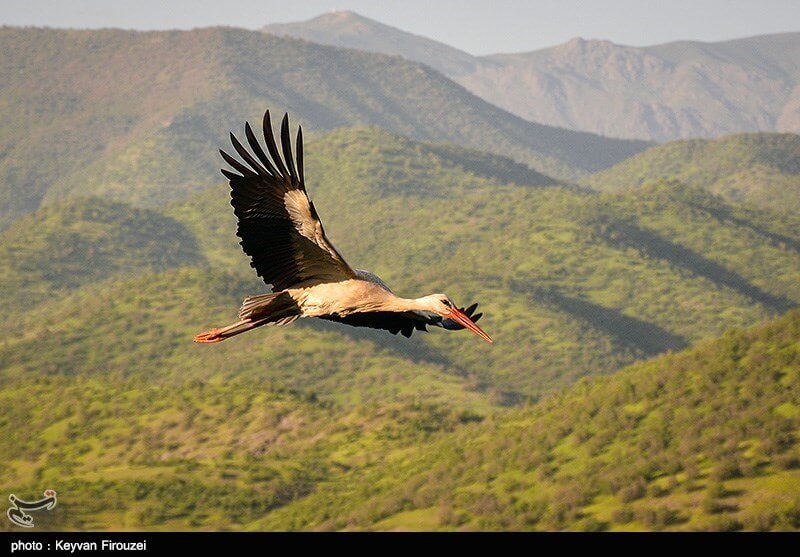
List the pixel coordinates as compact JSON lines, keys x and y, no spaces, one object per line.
{"x":412,"y":304}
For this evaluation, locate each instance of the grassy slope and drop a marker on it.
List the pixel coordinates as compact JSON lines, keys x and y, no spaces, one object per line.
{"x":145,"y":453}
{"x":576,"y":284}
{"x":119,"y":113}
{"x":704,"y":439}
{"x":60,"y":248}
{"x":374,"y":431}
{"x":568,"y":293}
{"x":758,"y":168}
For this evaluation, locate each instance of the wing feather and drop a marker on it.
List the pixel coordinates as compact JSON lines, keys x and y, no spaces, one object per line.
{"x":272,"y":148}
{"x":286,"y":143}
{"x":278,"y":225}
{"x":248,"y":158}
{"x":256,"y":147}
{"x":404,"y":323}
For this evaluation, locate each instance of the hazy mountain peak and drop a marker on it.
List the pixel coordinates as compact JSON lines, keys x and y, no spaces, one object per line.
{"x":337,"y":17}
{"x":672,"y":91}
{"x":351,"y":30}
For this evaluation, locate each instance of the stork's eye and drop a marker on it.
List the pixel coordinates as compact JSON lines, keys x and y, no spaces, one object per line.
{"x":447,"y":303}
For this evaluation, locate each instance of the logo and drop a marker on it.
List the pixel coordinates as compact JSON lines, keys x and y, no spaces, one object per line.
{"x":17,"y":514}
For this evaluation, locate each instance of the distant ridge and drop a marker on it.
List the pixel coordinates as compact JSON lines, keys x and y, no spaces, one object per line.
{"x":119,"y":113}
{"x":759,"y":168}
{"x":351,"y":30}
{"x":664,"y":92}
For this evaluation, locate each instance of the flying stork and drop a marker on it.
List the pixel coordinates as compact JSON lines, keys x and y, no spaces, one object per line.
{"x":281,"y":232}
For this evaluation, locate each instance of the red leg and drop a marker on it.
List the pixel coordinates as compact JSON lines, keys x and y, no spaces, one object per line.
{"x":209,"y":337}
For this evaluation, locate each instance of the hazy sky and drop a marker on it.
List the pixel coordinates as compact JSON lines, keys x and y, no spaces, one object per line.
{"x":479,"y":27}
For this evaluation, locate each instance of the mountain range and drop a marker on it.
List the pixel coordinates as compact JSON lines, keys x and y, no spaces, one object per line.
{"x":756,"y":168}
{"x":575,"y":283}
{"x":671,"y":91}
{"x":84,"y":112}
{"x":643,"y":301}
{"x":319,"y":426}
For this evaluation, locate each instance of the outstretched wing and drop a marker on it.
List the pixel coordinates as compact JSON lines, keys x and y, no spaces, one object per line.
{"x":394,"y":322}
{"x":401,"y":322}
{"x":278,"y":224}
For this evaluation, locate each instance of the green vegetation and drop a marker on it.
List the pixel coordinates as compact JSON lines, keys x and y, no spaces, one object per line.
{"x":62,"y":247}
{"x":760,"y":168}
{"x":118,"y":113}
{"x":574,"y":283}
{"x":322,"y":426}
{"x":139,"y":453}
{"x":704,"y":439}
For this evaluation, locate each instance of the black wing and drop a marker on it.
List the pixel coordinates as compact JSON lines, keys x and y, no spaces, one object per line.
{"x":401,"y":322}
{"x":278,"y":224}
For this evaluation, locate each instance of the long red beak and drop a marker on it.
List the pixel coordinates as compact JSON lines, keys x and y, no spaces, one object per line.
{"x":462,"y":319}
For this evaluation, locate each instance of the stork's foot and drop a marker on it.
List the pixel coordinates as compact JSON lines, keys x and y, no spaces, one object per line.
{"x":209,"y":337}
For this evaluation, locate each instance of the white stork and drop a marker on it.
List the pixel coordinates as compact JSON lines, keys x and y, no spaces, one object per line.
{"x":281,"y":232}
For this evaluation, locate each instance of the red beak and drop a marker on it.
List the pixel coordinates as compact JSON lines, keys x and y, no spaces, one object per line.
{"x":461,"y":318}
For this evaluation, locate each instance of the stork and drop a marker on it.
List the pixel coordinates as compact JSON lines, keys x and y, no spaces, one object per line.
{"x":282,"y":233}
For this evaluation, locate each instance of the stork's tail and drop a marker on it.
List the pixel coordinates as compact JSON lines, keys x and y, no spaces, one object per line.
{"x":267,"y":309}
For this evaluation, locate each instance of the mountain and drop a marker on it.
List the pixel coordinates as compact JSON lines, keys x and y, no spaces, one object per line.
{"x":574,"y":283}
{"x":703,"y":439}
{"x":348,"y":29}
{"x":138,"y":116}
{"x":62,"y":247}
{"x":664,"y":92}
{"x":322,"y":426}
{"x":762,"y":169}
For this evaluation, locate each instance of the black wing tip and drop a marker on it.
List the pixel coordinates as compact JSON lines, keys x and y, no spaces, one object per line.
{"x":260,"y":164}
{"x":272,"y":147}
{"x":267,"y":123}
{"x":230,"y":175}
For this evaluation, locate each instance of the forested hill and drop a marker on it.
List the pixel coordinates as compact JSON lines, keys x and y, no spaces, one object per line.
{"x":704,"y":439}
{"x":758,"y":168}
{"x":664,"y":92}
{"x":138,"y":116}
{"x":701,"y":440}
{"x":574,"y":283}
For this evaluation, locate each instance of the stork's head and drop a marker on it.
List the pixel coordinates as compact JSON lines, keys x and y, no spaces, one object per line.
{"x":443,"y":306}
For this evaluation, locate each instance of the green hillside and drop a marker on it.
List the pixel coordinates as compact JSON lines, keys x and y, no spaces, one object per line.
{"x":143,"y":327}
{"x":62,"y":247}
{"x":573,"y":283}
{"x":565,"y":294}
{"x":319,"y":425}
{"x":138,"y":115}
{"x":759,"y":168}
{"x":704,"y":439}
{"x":135,"y":453}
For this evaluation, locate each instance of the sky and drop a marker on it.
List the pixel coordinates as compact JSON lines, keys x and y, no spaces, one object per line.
{"x":478,"y":27}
